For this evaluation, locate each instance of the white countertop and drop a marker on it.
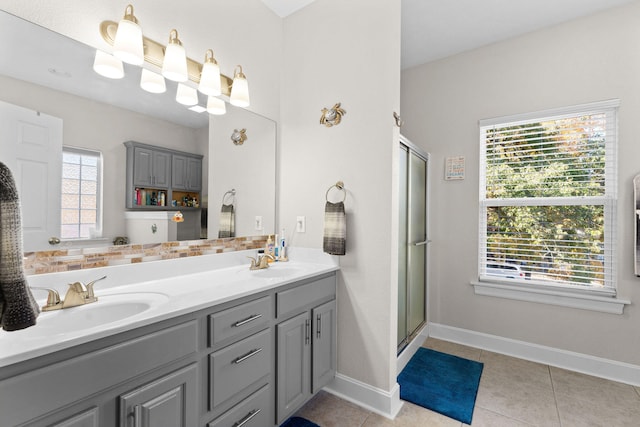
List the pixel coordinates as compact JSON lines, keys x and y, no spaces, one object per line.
{"x":165,"y":289}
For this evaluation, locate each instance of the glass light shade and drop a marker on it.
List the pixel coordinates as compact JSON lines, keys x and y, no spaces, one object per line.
{"x":152,"y":82}
{"x":128,"y":45}
{"x":186,"y":95}
{"x":216,"y":106}
{"x":108,"y":65}
{"x":210,"y":76}
{"x":174,"y":65}
{"x":210,"y":79}
{"x":239,"y":90}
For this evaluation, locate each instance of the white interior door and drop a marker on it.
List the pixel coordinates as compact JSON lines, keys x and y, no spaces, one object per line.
{"x":31,"y":146}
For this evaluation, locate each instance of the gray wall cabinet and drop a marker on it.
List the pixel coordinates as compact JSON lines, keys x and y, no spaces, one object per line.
{"x":215,"y":367}
{"x":155,"y":169}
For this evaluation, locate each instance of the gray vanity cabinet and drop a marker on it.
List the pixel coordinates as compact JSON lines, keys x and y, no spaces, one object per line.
{"x":170,"y":401}
{"x":88,"y":418}
{"x":306,"y":343}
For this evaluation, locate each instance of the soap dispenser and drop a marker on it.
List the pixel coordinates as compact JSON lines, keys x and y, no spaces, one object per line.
{"x":270,"y":246}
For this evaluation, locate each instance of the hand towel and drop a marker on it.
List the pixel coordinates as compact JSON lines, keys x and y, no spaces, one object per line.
{"x":18,"y":308}
{"x":227,"y":222}
{"x":335,"y":229}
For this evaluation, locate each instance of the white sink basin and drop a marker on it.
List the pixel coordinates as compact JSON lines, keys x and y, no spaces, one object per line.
{"x":276,"y":272}
{"x":108,"y":309}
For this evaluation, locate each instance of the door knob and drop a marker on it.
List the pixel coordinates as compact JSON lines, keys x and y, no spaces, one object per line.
{"x":54,"y":241}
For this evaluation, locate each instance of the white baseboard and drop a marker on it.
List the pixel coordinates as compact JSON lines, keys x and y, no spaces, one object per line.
{"x":586,"y":364}
{"x":384,"y":403}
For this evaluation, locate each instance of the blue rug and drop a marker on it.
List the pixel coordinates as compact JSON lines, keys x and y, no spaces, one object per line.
{"x":298,"y":422}
{"x":441,"y":382}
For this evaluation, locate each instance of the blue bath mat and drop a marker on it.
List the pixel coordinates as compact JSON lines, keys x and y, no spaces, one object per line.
{"x":441,"y":382}
{"x":298,"y":422}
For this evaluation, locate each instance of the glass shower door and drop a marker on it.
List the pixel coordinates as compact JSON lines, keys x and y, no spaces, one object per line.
{"x":412,"y":256}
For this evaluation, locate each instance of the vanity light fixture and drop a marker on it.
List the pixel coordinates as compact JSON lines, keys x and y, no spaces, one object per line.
{"x":210,"y":76}
{"x":186,"y":95}
{"x":216,"y":106}
{"x":174,"y":65}
{"x":239,"y":89}
{"x":128,"y":45}
{"x":108,"y":65}
{"x":152,"y":82}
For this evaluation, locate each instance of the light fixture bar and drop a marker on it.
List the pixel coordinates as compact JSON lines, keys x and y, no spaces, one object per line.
{"x":154,"y":54}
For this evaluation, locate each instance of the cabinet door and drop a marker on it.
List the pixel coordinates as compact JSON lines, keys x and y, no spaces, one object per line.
{"x":142,"y":167}
{"x":294,"y":354}
{"x":324,"y":354}
{"x":170,"y":401}
{"x":161,"y":169}
{"x":179,"y":172}
{"x":88,"y":418}
{"x":194,"y":174}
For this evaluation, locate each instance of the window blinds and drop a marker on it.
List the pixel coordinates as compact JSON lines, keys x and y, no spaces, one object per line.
{"x":548,"y":197}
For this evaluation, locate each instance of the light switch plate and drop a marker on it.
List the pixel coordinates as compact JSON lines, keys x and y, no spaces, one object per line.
{"x":301,"y":224}
{"x":258,"y":222}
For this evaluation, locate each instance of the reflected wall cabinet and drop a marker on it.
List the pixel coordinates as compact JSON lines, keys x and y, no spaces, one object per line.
{"x":157,"y":176}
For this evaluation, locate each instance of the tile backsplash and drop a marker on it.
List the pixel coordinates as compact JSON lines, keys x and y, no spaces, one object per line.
{"x":78,"y":259}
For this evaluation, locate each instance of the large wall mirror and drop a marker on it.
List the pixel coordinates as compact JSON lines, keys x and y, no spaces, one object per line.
{"x":51,"y":74}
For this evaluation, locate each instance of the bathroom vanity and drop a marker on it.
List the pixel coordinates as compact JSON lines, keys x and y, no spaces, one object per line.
{"x":220,"y":347}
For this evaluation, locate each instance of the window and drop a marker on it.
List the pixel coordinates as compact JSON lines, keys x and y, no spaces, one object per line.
{"x":81,"y":215}
{"x":548,"y":199}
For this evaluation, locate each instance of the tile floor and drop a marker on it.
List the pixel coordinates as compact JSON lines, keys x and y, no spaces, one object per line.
{"x":513,"y":392}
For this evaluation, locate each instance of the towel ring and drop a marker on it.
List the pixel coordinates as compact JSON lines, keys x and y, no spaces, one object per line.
{"x":233,"y":195}
{"x":340,"y":186}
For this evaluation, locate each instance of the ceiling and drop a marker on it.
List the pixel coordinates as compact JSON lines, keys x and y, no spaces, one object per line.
{"x":435,"y":29}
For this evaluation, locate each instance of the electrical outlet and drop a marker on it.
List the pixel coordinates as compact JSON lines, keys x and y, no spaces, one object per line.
{"x":258,"y":223}
{"x":301,"y":224}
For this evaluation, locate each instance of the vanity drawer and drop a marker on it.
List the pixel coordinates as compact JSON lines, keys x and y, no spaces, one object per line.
{"x":254,"y":411}
{"x":234,"y":369}
{"x":240,"y":321}
{"x":293,"y":300}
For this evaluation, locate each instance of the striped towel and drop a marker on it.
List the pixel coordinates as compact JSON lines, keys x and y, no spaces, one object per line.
{"x":227,"y":222}
{"x":18,"y":308}
{"x":335,"y":229}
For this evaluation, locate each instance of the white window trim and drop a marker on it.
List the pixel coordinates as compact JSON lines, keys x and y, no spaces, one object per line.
{"x":587,"y":300}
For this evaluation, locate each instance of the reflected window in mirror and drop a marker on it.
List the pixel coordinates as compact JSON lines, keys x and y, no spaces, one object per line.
{"x":81,"y":199}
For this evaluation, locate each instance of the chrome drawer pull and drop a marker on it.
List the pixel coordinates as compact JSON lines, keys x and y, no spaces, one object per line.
{"x":247,"y":418}
{"x":319,"y":322}
{"x":247,"y":320}
{"x":246,"y":356}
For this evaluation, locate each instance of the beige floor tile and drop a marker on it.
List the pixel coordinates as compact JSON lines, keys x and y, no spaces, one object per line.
{"x":521,"y":401}
{"x":501,"y":368}
{"x":412,"y":416}
{"x":459,"y":350}
{"x":486,"y":418}
{"x":577,"y":412}
{"x":593,"y":389}
{"x":327,"y":410}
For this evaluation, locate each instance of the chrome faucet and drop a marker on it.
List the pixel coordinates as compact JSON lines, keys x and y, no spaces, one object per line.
{"x":77,"y":294}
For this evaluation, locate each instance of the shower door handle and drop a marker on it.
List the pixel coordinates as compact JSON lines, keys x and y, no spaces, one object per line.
{"x":424,"y":242}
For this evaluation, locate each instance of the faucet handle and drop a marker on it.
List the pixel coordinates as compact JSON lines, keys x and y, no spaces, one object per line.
{"x":53,"y":299}
{"x":253,"y":263}
{"x":90,"y":296}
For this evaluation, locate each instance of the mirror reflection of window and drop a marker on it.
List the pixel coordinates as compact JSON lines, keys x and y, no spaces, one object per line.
{"x":80,"y":201}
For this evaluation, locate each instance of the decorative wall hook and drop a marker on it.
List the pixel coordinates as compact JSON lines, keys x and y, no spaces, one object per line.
{"x":332,"y":116}
{"x":239,"y":136}
{"x":399,"y":121}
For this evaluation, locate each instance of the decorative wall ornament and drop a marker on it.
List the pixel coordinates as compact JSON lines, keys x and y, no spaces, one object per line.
{"x":239,"y":136}
{"x":332,"y":116}
{"x":399,"y":121}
